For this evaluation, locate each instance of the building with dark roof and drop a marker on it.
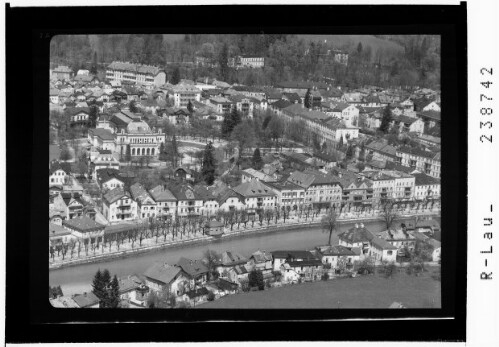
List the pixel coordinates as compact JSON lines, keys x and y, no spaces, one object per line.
{"x":85,"y":228}
{"x":424,"y":161}
{"x":118,"y":205}
{"x":86,"y":300}
{"x":195,"y":270}
{"x":256,"y":195}
{"x":165,"y":277}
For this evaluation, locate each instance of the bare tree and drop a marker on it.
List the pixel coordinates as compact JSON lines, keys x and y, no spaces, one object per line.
{"x":329,"y":223}
{"x":388,"y":213}
{"x":269,"y":214}
{"x":211,"y":260}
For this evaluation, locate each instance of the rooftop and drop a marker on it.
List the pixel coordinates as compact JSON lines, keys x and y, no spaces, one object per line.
{"x":83,"y":224}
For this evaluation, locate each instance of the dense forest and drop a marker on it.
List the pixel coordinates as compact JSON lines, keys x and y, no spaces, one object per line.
{"x":382,"y":60}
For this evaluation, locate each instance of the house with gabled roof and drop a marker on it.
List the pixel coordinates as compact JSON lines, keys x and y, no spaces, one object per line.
{"x":118,"y":205}
{"x":256,"y":196}
{"x":229,"y":200}
{"x":331,"y":254}
{"x":166,"y":202}
{"x":58,"y":173}
{"x":70,"y":204}
{"x":261,"y":261}
{"x":163,"y":277}
{"x":86,"y":300}
{"x":85,"y":228}
{"x":188,"y":203}
{"x":109,"y":178}
{"x":229,"y":260}
{"x":288,"y":193}
{"x":196,"y":271}
{"x":146,"y":206}
{"x":359,"y":237}
{"x":319,"y":188}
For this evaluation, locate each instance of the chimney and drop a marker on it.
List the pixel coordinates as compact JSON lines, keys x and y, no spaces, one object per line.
{"x":356,"y":226}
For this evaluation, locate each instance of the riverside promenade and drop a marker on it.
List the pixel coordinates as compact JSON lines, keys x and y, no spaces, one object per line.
{"x":151,"y":244}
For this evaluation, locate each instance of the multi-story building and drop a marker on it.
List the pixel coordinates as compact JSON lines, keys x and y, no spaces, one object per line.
{"x":427,"y":162}
{"x":62,"y":72}
{"x":118,"y":206}
{"x":182,"y":94}
{"x":319,"y":188}
{"x":58,"y":173}
{"x":369,"y":244}
{"x":70,"y":204}
{"x":288,"y":193}
{"x":221,"y":105}
{"x":252,"y":61}
{"x":166,"y":203}
{"x":229,"y":200}
{"x":188,"y":203}
{"x":103,"y":160}
{"x":256,"y":195}
{"x":210,"y":200}
{"x":399,"y":238}
{"x":347,"y":113}
{"x":383,"y":184}
{"x":141,"y":140}
{"x":426,"y":186}
{"x":403,"y":185}
{"x":355,"y":189}
{"x":86,"y":229}
{"x":136,"y":73}
{"x":109,"y":178}
{"x":146,"y":206}
{"x":340,"y":57}
{"x":102,"y":139}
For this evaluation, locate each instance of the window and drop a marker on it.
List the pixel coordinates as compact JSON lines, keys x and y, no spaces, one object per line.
{"x":389,"y":252}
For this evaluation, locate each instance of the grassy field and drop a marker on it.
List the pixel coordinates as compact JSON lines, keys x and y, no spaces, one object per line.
{"x":361,"y":292}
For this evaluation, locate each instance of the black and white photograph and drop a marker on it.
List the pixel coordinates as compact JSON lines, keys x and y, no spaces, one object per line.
{"x":261,"y":172}
{"x":244,"y":171}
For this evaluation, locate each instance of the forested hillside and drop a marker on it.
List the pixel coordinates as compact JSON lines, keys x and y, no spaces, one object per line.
{"x":382,"y":60}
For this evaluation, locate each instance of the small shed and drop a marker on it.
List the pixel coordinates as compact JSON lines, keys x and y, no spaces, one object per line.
{"x":215,"y":228}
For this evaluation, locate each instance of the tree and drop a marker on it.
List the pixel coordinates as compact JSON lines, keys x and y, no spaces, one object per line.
{"x":65,"y":154}
{"x":386,"y":120}
{"x":349,"y":153}
{"x":55,"y":292}
{"x":389,"y":269}
{"x":99,"y":287}
{"x":190,"y":107}
{"x":114,"y":293}
{"x":366,"y":266}
{"x":132,"y":106}
{"x":223,"y":62}
{"x":227,"y":127}
{"x":209,"y":164}
{"x":388,"y":213}
{"x":340,"y":143}
{"x":93,"y":69}
{"x":329,"y":223}
{"x":175,"y":76}
{"x":235,"y":117}
{"x":257,"y":161}
{"x":255,"y":279}
{"x":211,"y":260}
{"x":93,"y":115}
{"x":244,"y":134}
{"x":128,"y":153}
{"x":308,"y":99}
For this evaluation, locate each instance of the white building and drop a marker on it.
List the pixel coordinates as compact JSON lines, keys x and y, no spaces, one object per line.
{"x":118,"y":206}
{"x":140,"y":74}
{"x":256,"y":195}
{"x":166,"y":203}
{"x":182,"y":94}
{"x":426,"y":186}
{"x":146,"y":206}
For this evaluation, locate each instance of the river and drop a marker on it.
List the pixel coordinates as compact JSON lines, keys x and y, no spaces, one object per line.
{"x":77,"y":279}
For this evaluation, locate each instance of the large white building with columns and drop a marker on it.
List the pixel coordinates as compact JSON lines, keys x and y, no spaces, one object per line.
{"x":133,"y":132}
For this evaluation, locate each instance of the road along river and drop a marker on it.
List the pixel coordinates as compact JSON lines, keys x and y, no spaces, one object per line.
{"x":77,"y":279}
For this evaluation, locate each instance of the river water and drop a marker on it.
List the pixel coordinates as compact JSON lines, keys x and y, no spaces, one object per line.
{"x":77,"y":279}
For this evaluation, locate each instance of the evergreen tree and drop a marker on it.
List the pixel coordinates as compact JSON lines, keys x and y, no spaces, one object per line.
{"x":174,"y":149}
{"x":105,"y":280}
{"x":340,"y":143}
{"x":93,"y":69}
{"x":114,"y":293}
{"x":133,"y":107}
{"x":209,"y":164}
{"x":235,"y":117}
{"x":359,"y":49}
{"x":223,"y":62}
{"x":190,"y":107}
{"x":98,"y":287}
{"x":257,"y":161}
{"x":308,"y":99}
{"x":349,"y":154}
{"x":93,"y":115}
{"x":227,"y":125}
{"x":176,"y":76}
{"x":362,"y":153}
{"x":386,"y":120}
{"x":266,"y":121}
{"x":128,"y":154}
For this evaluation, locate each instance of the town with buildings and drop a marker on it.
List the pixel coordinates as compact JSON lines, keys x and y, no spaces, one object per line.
{"x":147,"y":157}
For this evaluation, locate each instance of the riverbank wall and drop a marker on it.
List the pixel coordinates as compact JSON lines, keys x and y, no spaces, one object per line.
{"x":103,"y":257}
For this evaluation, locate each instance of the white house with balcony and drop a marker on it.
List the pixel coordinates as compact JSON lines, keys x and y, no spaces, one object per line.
{"x":119,"y":206}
